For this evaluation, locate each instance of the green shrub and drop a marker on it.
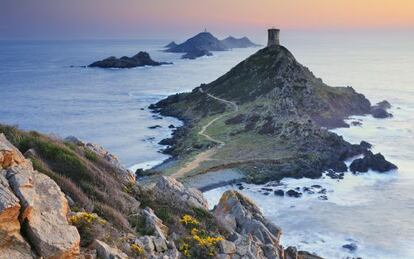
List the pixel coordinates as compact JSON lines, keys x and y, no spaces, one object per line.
{"x":90,"y":155}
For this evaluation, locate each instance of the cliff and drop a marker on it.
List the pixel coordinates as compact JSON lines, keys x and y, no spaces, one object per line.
{"x":72,"y":199}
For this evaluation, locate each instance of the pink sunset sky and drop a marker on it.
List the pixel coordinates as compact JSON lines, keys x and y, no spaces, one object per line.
{"x":161,"y":19}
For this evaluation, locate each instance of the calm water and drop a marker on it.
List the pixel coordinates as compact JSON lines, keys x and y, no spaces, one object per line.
{"x":41,"y":91}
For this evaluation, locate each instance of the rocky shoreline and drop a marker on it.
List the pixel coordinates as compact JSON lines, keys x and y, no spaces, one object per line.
{"x":41,"y":218}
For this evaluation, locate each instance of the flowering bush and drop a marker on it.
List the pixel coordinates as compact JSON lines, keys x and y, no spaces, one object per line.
{"x":188,"y":220}
{"x":199,"y":243}
{"x":137,"y":250}
{"x":85,"y":217}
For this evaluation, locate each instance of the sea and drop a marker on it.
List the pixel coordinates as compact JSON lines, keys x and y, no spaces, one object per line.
{"x":44,"y":86}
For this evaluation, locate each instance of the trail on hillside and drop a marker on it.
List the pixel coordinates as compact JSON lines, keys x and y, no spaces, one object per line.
{"x":206,"y":155}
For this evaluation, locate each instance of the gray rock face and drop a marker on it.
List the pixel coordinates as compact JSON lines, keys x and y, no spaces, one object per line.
{"x":154,"y":223}
{"x":170,"y":190}
{"x":255,"y":236}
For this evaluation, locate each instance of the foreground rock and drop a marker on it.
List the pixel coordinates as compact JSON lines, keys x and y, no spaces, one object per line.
{"x":252,"y":236}
{"x":139,"y":60}
{"x":375,"y":162}
{"x":43,"y":208}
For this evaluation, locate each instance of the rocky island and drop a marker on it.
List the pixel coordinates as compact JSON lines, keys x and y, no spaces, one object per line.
{"x":268,"y":117}
{"x":139,"y":60}
{"x":244,"y":42}
{"x":203,"y":43}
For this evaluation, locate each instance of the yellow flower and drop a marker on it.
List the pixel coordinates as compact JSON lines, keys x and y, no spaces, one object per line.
{"x":188,"y":220}
{"x":137,"y":249}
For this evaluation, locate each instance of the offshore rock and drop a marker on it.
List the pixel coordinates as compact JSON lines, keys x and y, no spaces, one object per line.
{"x":375,"y":162}
{"x":139,"y":60}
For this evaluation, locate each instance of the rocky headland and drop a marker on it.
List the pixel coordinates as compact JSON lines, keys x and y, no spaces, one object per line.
{"x":268,"y":117}
{"x":72,"y":199}
{"x":203,"y":43}
{"x":139,"y":60}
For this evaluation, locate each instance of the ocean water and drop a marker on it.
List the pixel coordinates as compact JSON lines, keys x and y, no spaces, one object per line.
{"x":41,"y":91}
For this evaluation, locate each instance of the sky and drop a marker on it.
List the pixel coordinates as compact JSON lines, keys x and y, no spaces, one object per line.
{"x":165,"y":19}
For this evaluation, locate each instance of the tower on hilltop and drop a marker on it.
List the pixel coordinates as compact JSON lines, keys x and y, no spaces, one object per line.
{"x":273,"y":37}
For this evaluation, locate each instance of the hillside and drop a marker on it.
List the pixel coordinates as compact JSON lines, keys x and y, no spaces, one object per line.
{"x":279,"y":128}
{"x":71,"y":199}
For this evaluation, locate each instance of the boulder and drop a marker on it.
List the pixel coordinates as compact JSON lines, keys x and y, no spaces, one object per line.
{"x":44,"y":211}
{"x":375,"y":162}
{"x":170,"y":190}
{"x":244,"y":220}
{"x":380,"y":113}
{"x":104,"y":251}
{"x":279,"y":193}
{"x":293,"y":193}
{"x":42,"y":207}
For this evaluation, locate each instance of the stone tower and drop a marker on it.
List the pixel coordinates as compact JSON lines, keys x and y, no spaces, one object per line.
{"x":273,"y":37}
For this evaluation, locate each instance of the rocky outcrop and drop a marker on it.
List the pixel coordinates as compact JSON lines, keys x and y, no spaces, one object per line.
{"x":375,"y":162}
{"x":38,"y":203}
{"x":253,"y":235}
{"x":154,"y":223}
{"x":139,"y":60}
{"x":170,"y":190}
{"x":379,"y":110}
{"x":101,"y":152}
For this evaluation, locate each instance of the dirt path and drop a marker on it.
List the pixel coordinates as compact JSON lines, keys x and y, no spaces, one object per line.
{"x":206,"y":155}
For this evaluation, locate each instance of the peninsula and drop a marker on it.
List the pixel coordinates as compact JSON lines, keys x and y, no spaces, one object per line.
{"x":268,"y":117}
